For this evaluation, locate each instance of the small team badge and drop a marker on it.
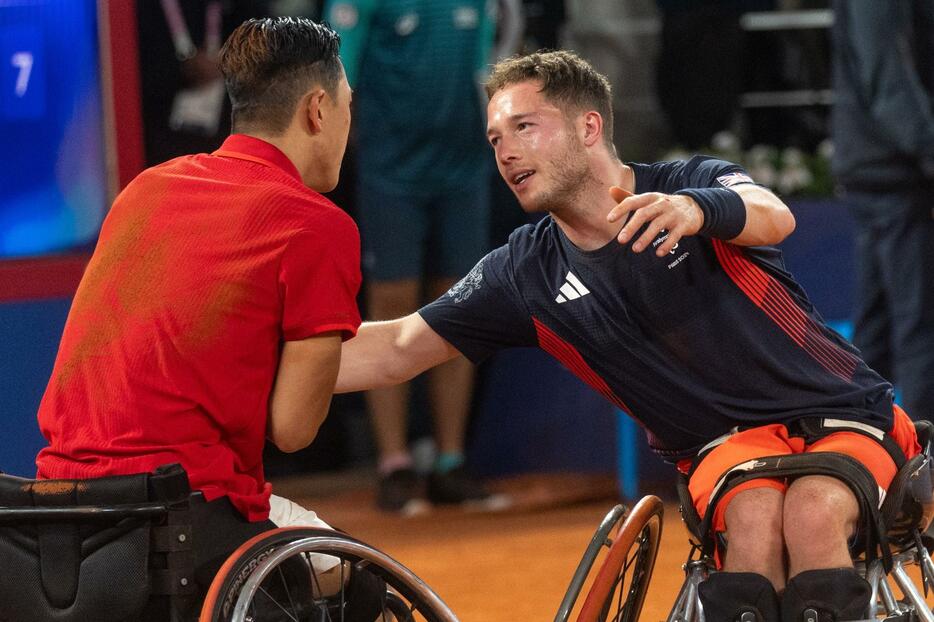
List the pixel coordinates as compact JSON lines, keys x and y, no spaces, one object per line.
{"x":731,"y":179}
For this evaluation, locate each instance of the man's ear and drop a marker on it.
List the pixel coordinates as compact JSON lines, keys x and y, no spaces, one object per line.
{"x":311,"y":108}
{"x":592,"y":127}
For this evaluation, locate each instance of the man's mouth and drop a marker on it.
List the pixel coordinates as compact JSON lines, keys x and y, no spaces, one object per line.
{"x":519,"y":178}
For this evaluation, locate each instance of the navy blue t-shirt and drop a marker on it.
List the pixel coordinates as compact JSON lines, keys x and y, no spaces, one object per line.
{"x":709,"y":337}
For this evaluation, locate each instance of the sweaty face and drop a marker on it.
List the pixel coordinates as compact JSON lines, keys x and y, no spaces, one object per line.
{"x":538,"y":151}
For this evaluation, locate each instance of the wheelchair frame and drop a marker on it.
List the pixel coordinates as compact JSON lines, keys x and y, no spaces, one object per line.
{"x":687,"y":606}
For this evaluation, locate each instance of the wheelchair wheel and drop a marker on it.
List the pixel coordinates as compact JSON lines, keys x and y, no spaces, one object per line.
{"x":619,"y":588}
{"x":601,"y":538}
{"x":270,"y":578}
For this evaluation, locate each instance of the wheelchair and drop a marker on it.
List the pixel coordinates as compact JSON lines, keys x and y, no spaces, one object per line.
{"x":120,"y":549}
{"x":890,"y":539}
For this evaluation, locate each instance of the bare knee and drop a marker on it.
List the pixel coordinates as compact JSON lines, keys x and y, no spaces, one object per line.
{"x":754,"y":534}
{"x":820,"y":515}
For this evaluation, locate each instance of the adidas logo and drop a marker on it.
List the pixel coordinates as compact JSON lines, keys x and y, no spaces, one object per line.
{"x":572,"y":288}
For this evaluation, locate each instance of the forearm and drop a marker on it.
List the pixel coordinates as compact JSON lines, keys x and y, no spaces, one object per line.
{"x":367,"y":359}
{"x":388,"y":353}
{"x":768,"y":219}
{"x":745,"y":215}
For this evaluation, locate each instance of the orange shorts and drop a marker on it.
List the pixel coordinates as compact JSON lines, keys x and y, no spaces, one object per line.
{"x":773,"y":440}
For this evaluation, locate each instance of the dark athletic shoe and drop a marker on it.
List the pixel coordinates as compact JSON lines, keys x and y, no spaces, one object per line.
{"x":401,"y":491}
{"x":457,"y":487}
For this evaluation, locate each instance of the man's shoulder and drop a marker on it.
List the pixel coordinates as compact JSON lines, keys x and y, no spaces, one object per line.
{"x":671,"y":175}
{"x":251,"y":188}
{"x":315,"y":213}
{"x":531,"y":240}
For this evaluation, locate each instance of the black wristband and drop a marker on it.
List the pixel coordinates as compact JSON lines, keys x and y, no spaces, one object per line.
{"x":724,"y":211}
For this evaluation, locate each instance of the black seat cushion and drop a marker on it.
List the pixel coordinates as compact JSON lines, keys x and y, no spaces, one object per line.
{"x":75,"y":570}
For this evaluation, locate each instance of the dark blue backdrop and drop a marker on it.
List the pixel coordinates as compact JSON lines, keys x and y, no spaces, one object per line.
{"x":53,"y":184}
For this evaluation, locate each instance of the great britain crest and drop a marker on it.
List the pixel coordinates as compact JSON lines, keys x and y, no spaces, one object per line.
{"x":462,"y":290}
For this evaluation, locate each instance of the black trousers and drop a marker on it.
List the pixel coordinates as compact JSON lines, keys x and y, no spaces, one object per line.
{"x":894,"y":308}
{"x":217,"y":530}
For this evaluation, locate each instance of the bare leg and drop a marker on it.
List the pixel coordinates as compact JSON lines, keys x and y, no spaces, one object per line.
{"x":450,"y":388}
{"x":389,"y":407}
{"x":754,"y":535}
{"x":820,"y":515}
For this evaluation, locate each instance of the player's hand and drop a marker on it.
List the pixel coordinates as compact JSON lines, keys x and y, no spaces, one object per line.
{"x":675,"y":213}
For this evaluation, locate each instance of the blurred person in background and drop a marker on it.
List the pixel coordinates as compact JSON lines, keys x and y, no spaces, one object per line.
{"x":185,"y":109}
{"x":883,"y":133}
{"x":423,"y":203}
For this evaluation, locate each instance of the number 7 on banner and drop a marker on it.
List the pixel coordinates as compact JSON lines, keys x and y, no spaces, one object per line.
{"x":23,"y":62}
{"x":22,"y":73}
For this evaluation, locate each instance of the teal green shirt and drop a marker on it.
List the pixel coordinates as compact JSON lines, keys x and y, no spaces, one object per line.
{"x":415,"y":66}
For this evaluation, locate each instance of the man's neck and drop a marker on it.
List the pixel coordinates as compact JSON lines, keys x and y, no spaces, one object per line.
{"x":297,"y":152}
{"x":584,"y":220}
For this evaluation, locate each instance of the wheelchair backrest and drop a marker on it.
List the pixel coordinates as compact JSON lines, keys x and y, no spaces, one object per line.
{"x":74,"y":550}
{"x":909,"y":504}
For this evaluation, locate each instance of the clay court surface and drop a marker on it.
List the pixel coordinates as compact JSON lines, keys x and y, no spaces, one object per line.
{"x":511,"y":566}
{"x":496,"y":567}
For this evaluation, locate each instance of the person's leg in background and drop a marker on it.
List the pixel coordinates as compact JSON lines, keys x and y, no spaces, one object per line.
{"x":393,"y":233}
{"x":459,"y":237}
{"x":907,"y":250}
{"x":894,"y":296}
{"x":872,"y":325}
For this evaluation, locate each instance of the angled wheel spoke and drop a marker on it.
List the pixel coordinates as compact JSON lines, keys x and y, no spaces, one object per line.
{"x":277,"y":603}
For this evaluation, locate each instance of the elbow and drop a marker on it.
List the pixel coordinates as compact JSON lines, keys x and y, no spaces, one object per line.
{"x":778,"y":225}
{"x":785,"y":225}
{"x":290,"y":443}
{"x":289,"y":439}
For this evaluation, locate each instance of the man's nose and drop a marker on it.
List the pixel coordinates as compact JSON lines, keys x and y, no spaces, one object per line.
{"x":506,"y":151}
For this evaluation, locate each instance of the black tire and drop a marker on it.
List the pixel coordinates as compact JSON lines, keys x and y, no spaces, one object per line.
{"x":257,"y":579}
{"x":620,"y":585}
{"x":601,"y":538}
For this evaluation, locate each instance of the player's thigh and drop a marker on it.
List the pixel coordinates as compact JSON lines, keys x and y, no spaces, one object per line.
{"x":870,"y":453}
{"x":218,"y":529}
{"x":460,"y":229}
{"x":286,"y":513}
{"x":759,"y":442}
{"x":393,"y":232}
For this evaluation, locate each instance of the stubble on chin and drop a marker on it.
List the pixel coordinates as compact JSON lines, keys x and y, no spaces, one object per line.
{"x":570,"y":178}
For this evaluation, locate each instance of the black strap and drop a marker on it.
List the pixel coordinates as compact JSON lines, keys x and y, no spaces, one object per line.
{"x":171,"y":538}
{"x":840,"y":466}
{"x":169,"y":483}
{"x":692,"y":519}
{"x":172,"y":582}
{"x":812,"y":429}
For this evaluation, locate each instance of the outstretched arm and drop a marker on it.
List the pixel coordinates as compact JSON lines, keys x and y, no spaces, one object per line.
{"x":387,"y":353}
{"x":767,"y":219}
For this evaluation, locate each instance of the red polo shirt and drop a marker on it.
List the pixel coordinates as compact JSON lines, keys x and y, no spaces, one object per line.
{"x":204,"y":266}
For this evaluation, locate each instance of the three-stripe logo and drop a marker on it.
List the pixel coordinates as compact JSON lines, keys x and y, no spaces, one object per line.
{"x":572,"y":288}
